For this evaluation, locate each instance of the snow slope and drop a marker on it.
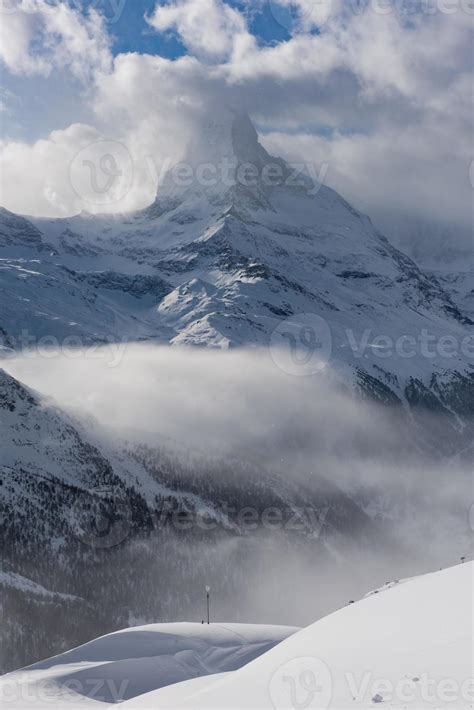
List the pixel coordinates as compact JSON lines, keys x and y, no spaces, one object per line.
{"x":460,"y":284}
{"x":406,"y":645}
{"x":129,"y":663}
{"x":16,"y":581}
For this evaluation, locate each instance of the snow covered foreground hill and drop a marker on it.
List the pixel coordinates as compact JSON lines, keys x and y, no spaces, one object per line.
{"x":129,"y":663}
{"x":238,"y":261}
{"x":406,"y":645}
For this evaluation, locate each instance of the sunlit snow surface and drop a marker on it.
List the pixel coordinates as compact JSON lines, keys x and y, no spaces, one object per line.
{"x":129,"y":663}
{"x":405,"y":645}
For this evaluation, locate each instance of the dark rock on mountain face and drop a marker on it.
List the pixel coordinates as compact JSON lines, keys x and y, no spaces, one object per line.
{"x":136,"y":285}
{"x":17,"y":231}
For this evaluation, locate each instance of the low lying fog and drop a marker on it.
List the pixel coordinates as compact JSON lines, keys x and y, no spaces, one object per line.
{"x":241,"y":402}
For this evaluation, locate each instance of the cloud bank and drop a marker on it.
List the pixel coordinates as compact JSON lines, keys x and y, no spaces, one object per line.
{"x":239,"y":404}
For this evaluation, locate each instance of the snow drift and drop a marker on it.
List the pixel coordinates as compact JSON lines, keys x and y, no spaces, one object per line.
{"x":407,"y":645}
{"x":129,"y":663}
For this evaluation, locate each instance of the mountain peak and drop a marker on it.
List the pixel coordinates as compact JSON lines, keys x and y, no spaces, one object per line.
{"x":233,"y":136}
{"x":245,"y":141}
{"x":224,"y":159}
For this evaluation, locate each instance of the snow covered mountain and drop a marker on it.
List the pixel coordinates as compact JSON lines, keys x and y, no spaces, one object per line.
{"x":443,"y":252}
{"x":459,"y":282}
{"x":244,"y":249}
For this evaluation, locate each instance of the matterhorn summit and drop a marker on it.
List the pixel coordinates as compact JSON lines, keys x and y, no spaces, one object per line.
{"x":227,"y":164}
{"x":231,"y":135}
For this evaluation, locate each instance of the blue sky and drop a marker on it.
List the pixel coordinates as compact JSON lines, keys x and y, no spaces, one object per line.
{"x":131,"y":33}
{"x":268,"y":21}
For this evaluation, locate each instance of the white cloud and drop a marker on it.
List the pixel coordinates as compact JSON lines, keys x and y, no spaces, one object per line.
{"x":36,"y":37}
{"x":208,"y":28}
{"x":42,"y":170}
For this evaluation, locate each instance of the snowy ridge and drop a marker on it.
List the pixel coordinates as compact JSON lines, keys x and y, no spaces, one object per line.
{"x":27,"y":586}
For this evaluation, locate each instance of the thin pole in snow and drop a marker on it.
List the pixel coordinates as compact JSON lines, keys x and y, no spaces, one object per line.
{"x":208,"y":590}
